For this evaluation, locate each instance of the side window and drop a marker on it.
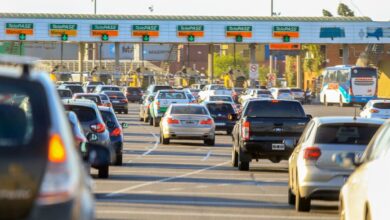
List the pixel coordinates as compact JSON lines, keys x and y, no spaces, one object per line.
{"x":380,"y":146}
{"x":306,"y":133}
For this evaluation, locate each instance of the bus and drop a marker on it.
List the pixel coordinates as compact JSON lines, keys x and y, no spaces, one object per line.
{"x":348,"y":85}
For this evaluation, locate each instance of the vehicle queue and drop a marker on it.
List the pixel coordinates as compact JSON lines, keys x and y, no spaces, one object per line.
{"x":323,"y":152}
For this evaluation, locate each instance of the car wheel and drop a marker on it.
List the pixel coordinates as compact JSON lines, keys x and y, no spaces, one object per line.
{"x":234,"y":156}
{"x":164,"y":141}
{"x":146,"y":119}
{"x":119,"y":159}
{"x":126,"y":112}
{"x":103,"y":172}
{"x":229,"y":132}
{"x":301,"y":204}
{"x":150,"y":120}
{"x":155,"y":122}
{"x":291,"y":197}
{"x":209,"y":142}
{"x":242,"y":165}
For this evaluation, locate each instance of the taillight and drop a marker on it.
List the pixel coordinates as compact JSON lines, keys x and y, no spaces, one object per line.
{"x":207,"y":122}
{"x":374,"y":110}
{"x":116,"y":132}
{"x":123,"y":101}
{"x":59,"y":181}
{"x":172,"y":121}
{"x":350,"y":91}
{"x":98,"y":128}
{"x":312,"y":153}
{"x":158,"y":104}
{"x":246,"y":130}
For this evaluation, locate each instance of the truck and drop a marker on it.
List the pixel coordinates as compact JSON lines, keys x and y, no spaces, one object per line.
{"x":267,"y":129}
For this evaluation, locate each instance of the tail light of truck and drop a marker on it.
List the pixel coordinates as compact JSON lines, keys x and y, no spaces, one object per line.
{"x":374,"y":110}
{"x":98,"y":128}
{"x":59,"y":181}
{"x":246,"y":130}
{"x":171,"y":121}
{"x":312,"y":153}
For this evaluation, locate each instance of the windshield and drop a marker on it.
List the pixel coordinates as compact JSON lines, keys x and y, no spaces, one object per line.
{"x":284,"y":91}
{"x":189,"y":110}
{"x":353,"y":133}
{"x":172,"y":95}
{"x":221,"y":98}
{"x":363,"y":72}
{"x":158,"y":88}
{"x":296,"y":90}
{"x":220,"y":108}
{"x":270,"y":109}
{"x":217,"y":87}
{"x":382,"y":105}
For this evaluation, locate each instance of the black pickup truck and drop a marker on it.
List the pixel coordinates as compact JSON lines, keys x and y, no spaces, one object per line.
{"x":267,"y":129}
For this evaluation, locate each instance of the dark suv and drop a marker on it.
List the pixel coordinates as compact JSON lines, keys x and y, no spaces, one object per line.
{"x":221,"y":111}
{"x":133,"y":94}
{"x":118,"y":101}
{"x":41,"y":174}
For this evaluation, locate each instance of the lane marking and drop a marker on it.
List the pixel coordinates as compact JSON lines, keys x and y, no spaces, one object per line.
{"x":207,"y":156}
{"x":164,"y":180}
{"x":155,"y":146}
{"x":169,"y":192}
{"x":209,"y":215}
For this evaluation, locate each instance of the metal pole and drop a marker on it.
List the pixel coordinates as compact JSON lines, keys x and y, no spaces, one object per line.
{"x":100,"y":56}
{"x":20,"y":48}
{"x":142,"y":54}
{"x":188,"y":54}
{"x":62,"y":54}
{"x":272,"y":7}
{"x":95,"y":6}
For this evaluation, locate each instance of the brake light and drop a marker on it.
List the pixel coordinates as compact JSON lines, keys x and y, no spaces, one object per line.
{"x":57,"y":152}
{"x":246,"y":130}
{"x":108,"y":104}
{"x":171,"y":121}
{"x":116,"y":132}
{"x":312,"y":153}
{"x":123,"y":101}
{"x":350,"y":91}
{"x":208,"y":121}
{"x":275,"y":101}
{"x":98,"y":128}
{"x":374,"y":110}
{"x":158,"y":104}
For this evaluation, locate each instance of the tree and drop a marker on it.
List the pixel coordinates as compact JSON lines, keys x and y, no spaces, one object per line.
{"x":326,"y":13}
{"x":314,"y":58}
{"x":222,"y":64}
{"x":291,"y":71}
{"x":345,"y":11}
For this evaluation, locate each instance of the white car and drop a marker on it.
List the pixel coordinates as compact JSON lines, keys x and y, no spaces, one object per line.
{"x":376,"y":109}
{"x":282,"y":93}
{"x":366,"y":193}
{"x":256,"y":93}
{"x":213,"y":89}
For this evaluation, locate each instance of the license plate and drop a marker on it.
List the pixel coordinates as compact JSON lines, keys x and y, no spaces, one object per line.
{"x":278,"y":147}
{"x":115,"y":101}
{"x":190,"y":122}
{"x":220,"y":124}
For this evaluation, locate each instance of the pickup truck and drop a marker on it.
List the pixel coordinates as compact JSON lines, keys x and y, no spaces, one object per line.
{"x":267,"y":129}
{"x":213,"y":89}
{"x":161,"y":102}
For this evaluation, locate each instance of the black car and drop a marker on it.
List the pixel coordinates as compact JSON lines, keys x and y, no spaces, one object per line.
{"x":118,"y":100}
{"x":73,"y":87}
{"x":223,"y":114}
{"x":39,"y":164}
{"x":133,"y":94}
{"x":115,"y":129}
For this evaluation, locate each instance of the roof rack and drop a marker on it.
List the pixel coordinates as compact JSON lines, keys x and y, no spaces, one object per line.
{"x":25,"y":62}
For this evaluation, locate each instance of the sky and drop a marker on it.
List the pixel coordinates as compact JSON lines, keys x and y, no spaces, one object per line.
{"x":378,"y":10}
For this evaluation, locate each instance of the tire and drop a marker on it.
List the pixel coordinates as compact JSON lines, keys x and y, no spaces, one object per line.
{"x":234,"y":156}
{"x":141,"y":118}
{"x":155,"y":122}
{"x":209,"y":142}
{"x":341,"y":102}
{"x":119,"y":160}
{"x":126,"y":112}
{"x":150,"y":120}
{"x":326,"y":102}
{"x":229,"y":132}
{"x":146,"y":119}
{"x":291,"y":197}
{"x":164,"y":141}
{"x":242,"y":165}
{"x":301,"y":204}
{"x":103,"y":172}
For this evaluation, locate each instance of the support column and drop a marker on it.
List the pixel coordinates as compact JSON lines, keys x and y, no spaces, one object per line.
{"x":299,"y":72}
{"x":137,"y":52}
{"x":345,"y":54}
{"x":252,"y":52}
{"x":81,"y":55}
{"x":271,"y":64}
{"x":117,"y":63}
{"x":210,"y":65}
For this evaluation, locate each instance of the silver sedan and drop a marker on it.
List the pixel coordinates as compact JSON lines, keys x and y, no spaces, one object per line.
{"x":187,"y":121}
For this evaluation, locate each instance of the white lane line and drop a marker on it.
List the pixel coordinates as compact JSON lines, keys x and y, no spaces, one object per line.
{"x":164,"y":180}
{"x":169,"y":192}
{"x":210,"y":215}
{"x":207,"y":156}
{"x":151,"y":149}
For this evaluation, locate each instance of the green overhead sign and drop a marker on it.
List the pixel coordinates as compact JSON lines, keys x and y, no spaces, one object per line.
{"x":190,"y":28}
{"x":286,"y":28}
{"x":239,"y":28}
{"x":105,"y":27}
{"x":63,"y":26}
{"x":19,"y":25}
{"x":146,"y":28}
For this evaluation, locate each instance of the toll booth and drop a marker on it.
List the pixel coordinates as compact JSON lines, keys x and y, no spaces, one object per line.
{"x":64,"y":76}
{"x":102,"y":77}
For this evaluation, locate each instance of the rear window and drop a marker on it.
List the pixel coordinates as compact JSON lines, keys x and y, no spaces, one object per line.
{"x":75,"y":88}
{"x":191,"y":110}
{"x":172,"y":95}
{"x":113,"y":88}
{"x":108,"y":117}
{"x":23,"y":114}
{"x":85,"y":114}
{"x":103,"y":97}
{"x":263,"y":92}
{"x":158,"y":88}
{"x":217,"y":87}
{"x":382,"y":105}
{"x":345,"y":133}
{"x":117,"y":94}
{"x":284,"y":91}
{"x":65,"y":93}
{"x":271,"y":109}
{"x":296,"y":90}
{"x":131,"y":89}
{"x":93,"y":98}
{"x":221,"y":98}
{"x":220,"y":108}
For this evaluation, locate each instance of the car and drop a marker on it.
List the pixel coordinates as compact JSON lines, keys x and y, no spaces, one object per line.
{"x":313,"y":175}
{"x":116,"y":134}
{"x":282,"y":93}
{"x":155,"y":88}
{"x":40,"y":165}
{"x":376,"y":109}
{"x":161,"y":102}
{"x":256,"y":93}
{"x":144,"y":108}
{"x":75,"y":88}
{"x":365,"y":194}
{"x":213,"y":89}
{"x":221,"y":98}
{"x":298,"y":94}
{"x":195,"y":93}
{"x":78,"y":134}
{"x":90,"y":96}
{"x":64,"y":93}
{"x":118,"y":100}
{"x":89,"y":89}
{"x":236,"y":93}
{"x":223,"y":114}
{"x":187,"y":121}
{"x":267,"y":129}
{"x":105,"y":100}
{"x":133,"y":94}
{"x":102,"y":88}
{"x":93,"y":125}
{"x":92,"y":83}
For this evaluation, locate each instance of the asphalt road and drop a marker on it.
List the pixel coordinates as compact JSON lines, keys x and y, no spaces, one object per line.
{"x":187,"y":180}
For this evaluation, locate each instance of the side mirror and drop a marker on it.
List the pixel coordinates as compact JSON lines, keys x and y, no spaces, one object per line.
{"x":91,"y":137}
{"x":309,"y":116}
{"x":110,"y":124}
{"x":124,"y":125}
{"x":346,"y":160}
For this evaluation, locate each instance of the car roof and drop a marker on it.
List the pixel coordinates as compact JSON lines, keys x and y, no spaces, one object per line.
{"x":219,"y":96}
{"x":216,"y":102}
{"x":170,"y":90}
{"x":104,"y":108}
{"x":80,"y":102}
{"x":189,"y":104}
{"x":348,"y":119}
{"x":380,"y":101}
{"x":89,"y":94}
